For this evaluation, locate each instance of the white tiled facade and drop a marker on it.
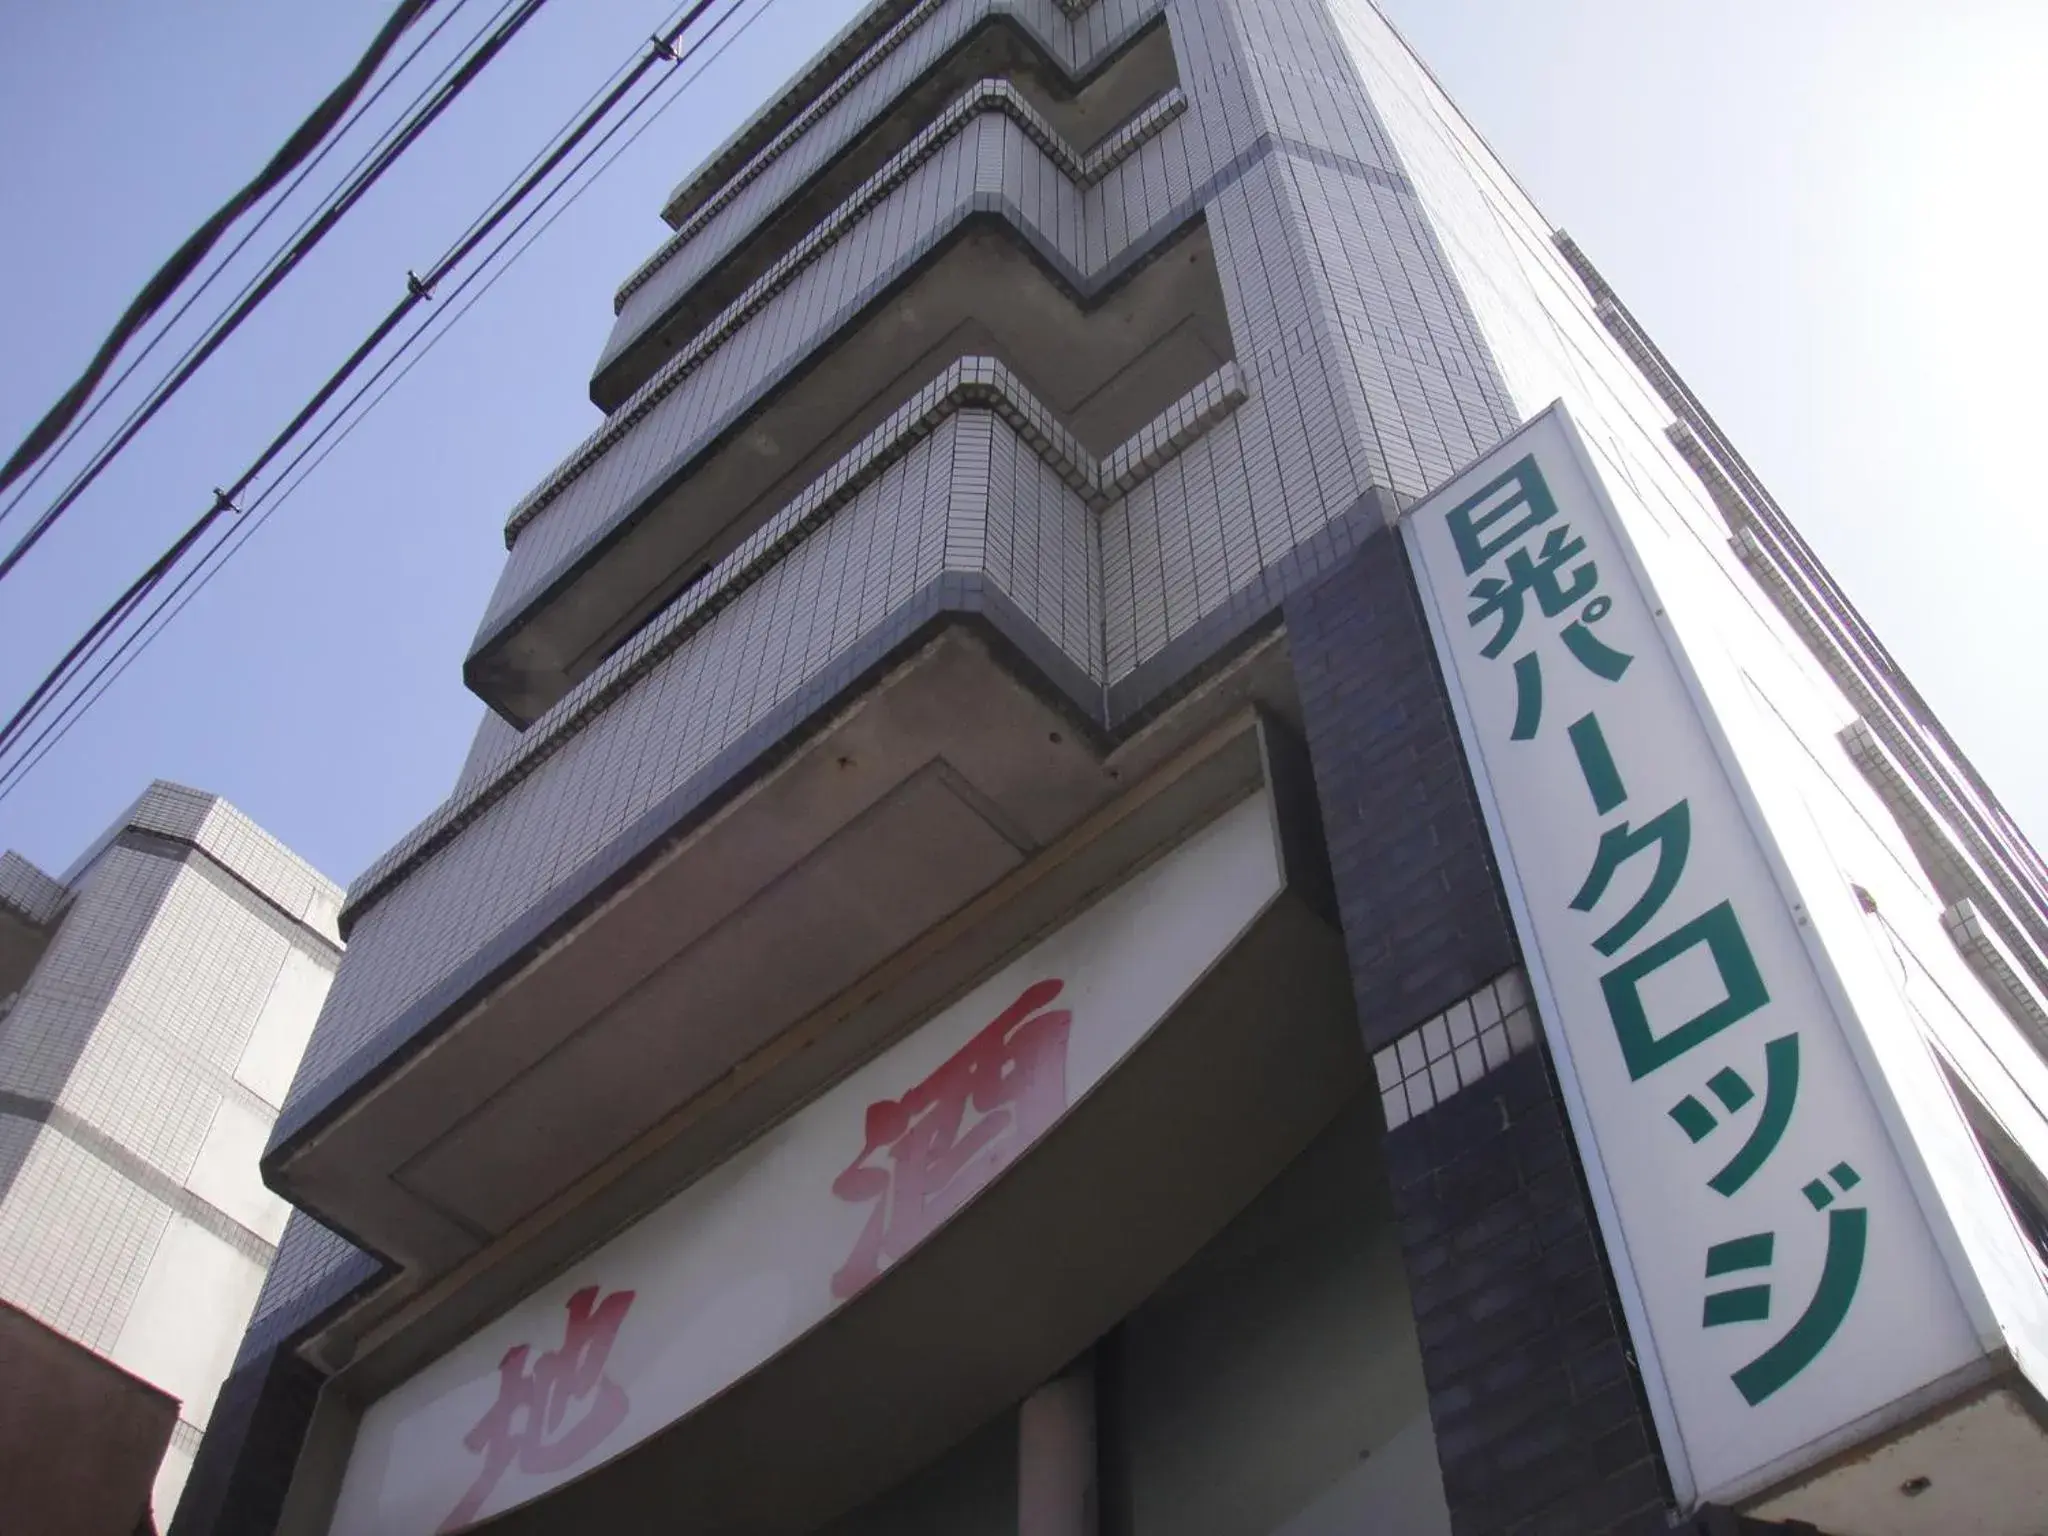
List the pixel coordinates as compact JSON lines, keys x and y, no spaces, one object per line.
{"x":1357,"y":365}
{"x":141,"y":1067}
{"x":1396,"y":306}
{"x":1395,"y":309}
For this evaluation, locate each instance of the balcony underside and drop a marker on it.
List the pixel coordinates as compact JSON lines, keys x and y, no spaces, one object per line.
{"x":742,"y":963}
{"x":1106,"y":357}
{"x":1080,"y":109}
{"x":1118,"y":1197}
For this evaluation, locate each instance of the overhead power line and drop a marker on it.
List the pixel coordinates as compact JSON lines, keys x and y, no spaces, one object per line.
{"x":48,"y":705}
{"x":357,"y":114}
{"x":522,"y":11}
{"x":173,"y":273}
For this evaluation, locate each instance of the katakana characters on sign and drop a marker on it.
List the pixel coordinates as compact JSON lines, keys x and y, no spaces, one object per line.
{"x":554,"y":1411}
{"x":1506,"y":519}
{"x":925,"y":1156}
{"x":1644,"y":1047}
{"x":1781,"y":1092}
{"x":1668,"y":835}
{"x":1515,"y":517}
{"x":1623,"y":756}
{"x":1841,"y":1272}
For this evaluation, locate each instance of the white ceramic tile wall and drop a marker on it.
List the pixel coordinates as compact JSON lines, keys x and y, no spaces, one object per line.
{"x":27,"y":890}
{"x":496,"y":738}
{"x":949,"y":484}
{"x":1077,"y":33}
{"x":930,"y":31}
{"x":231,"y":838}
{"x":75,"y":1235}
{"x":1395,"y":309}
{"x":1358,"y":365}
{"x":1546,"y":341}
{"x":993,"y":162}
{"x":128,"y":1127}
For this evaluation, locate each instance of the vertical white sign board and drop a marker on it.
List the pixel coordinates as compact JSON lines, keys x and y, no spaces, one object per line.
{"x":1780,"y":1279}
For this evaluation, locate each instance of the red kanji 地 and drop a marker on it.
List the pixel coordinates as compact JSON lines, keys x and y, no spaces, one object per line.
{"x":530,"y":1423}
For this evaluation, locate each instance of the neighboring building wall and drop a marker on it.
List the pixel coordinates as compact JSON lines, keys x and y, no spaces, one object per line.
{"x":29,"y":904}
{"x":140,"y":1071}
{"x":80,"y":1439}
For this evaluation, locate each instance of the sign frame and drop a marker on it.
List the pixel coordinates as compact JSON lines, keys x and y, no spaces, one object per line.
{"x":1919,"y":1179}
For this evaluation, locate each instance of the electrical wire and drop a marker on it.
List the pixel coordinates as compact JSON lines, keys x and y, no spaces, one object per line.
{"x":341,"y":425}
{"x":197,"y":579}
{"x":172,"y":274}
{"x":471,"y":68}
{"x":356,"y":115}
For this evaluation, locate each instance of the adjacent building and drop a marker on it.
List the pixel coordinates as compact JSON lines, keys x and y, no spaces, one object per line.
{"x":154,"y":1002}
{"x":81,"y":1440}
{"x":1164,"y":843}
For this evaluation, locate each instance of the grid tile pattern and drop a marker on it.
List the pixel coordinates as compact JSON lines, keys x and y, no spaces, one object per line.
{"x":495,"y":740}
{"x":1334,"y":272}
{"x":124,"y":1052}
{"x":1541,"y":327}
{"x":314,"y":1268}
{"x":1994,"y":965}
{"x":219,"y":829}
{"x":1956,"y":865}
{"x":993,"y":167}
{"x":974,"y":477}
{"x":1395,"y":308}
{"x":1452,"y":1051}
{"x":879,"y":55}
{"x":1074,"y":621}
{"x":27,"y":890}
{"x":141,"y":1010}
{"x":665,"y":278}
{"x":991,"y":98}
{"x":76,"y":1237}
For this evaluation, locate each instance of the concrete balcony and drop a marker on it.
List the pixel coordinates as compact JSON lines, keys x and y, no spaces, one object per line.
{"x":1212,"y":1034}
{"x":1112,"y":309}
{"x":1084,"y":83}
{"x":896,"y":686}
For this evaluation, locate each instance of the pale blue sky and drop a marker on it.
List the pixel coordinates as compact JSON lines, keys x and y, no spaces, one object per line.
{"x":1826,"y":212}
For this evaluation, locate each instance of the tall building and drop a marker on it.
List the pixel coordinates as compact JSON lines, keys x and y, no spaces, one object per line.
{"x":154,"y":1002}
{"x":1165,"y":843}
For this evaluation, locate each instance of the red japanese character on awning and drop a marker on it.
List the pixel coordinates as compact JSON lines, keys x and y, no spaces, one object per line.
{"x":926,"y":1156}
{"x":531,"y":1422}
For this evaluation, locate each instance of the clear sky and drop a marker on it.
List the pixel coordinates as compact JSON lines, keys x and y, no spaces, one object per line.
{"x":1826,"y":212}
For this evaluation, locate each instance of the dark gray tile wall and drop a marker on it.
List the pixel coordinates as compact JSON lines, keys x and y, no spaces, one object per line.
{"x":1417,"y":893}
{"x":1540,"y":1426}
